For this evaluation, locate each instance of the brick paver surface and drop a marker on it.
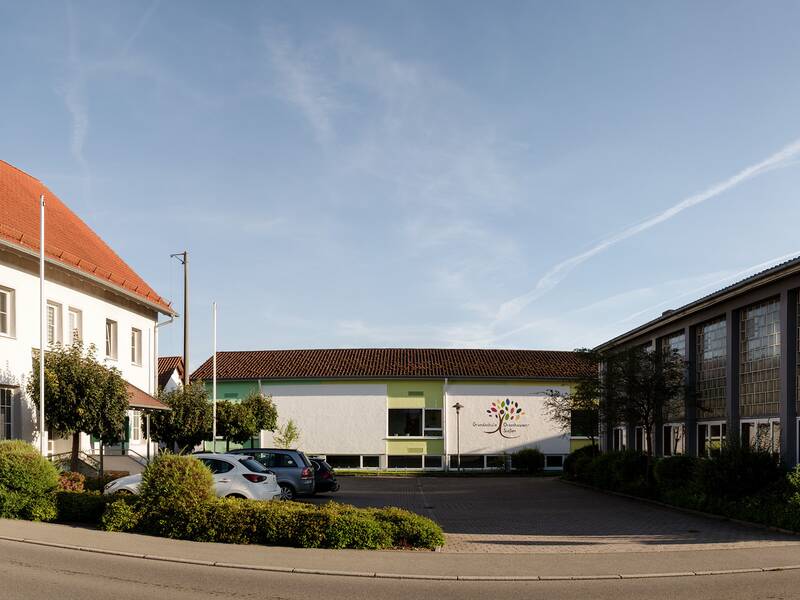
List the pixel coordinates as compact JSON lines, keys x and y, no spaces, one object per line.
{"x":517,"y":514}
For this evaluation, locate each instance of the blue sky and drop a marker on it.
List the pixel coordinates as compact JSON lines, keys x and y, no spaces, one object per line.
{"x":453,"y":174}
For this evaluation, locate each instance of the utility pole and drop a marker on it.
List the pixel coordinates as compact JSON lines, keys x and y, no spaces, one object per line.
{"x":42,"y":320}
{"x":458,"y":406}
{"x":214,"y":381}
{"x":184,"y":258}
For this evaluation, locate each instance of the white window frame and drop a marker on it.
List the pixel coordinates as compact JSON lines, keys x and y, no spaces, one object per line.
{"x":7,"y":404}
{"x":677,"y":441}
{"x":425,"y":427}
{"x":622,"y":432}
{"x":136,"y":426}
{"x":112,"y":327}
{"x":76,"y":315}
{"x":9,"y":313}
{"x":58,"y":323}
{"x":770,"y":423}
{"x":136,"y":346}
{"x":709,"y":438}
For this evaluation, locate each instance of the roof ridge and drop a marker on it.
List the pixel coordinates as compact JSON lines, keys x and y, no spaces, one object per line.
{"x":389,"y":348}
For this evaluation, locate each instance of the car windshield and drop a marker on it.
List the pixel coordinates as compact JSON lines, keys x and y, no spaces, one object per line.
{"x":253,"y":465}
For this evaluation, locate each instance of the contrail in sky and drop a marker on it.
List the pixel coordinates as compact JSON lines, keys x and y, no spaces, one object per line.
{"x":557,"y":273}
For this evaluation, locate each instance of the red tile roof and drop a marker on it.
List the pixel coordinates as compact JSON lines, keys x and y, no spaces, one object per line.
{"x":141,"y":399}
{"x":393,"y":363}
{"x":68,"y":240}
{"x":166,"y":366}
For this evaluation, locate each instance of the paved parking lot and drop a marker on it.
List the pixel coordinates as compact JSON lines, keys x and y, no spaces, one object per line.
{"x":517,"y":514}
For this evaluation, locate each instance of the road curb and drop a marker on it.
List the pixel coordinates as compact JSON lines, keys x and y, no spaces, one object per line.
{"x":406,"y":576}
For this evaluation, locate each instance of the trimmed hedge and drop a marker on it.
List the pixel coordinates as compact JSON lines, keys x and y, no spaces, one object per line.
{"x":332,"y":525}
{"x":80,"y":507}
{"x":28,"y":483}
{"x":176,"y":501}
{"x":530,"y":460}
{"x":737,"y":482}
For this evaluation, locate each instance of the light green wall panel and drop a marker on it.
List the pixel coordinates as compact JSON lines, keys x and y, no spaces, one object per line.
{"x":415,"y":447}
{"x":415,"y":394}
{"x":232,"y":390}
{"x":577,"y":444}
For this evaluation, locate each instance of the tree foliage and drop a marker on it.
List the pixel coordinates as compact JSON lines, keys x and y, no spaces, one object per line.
{"x":578,"y":412}
{"x":236,"y":422}
{"x":81,"y":395}
{"x":188,"y":422}
{"x":263,"y":409}
{"x":636,"y":386}
{"x":643,"y":387}
{"x":287,"y":436}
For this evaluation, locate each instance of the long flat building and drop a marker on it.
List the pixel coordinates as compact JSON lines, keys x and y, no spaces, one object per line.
{"x":393,"y":408}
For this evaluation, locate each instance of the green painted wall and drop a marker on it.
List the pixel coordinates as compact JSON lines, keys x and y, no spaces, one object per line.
{"x":576,"y":444}
{"x":232,"y":390}
{"x":415,"y":394}
{"x":415,"y":446}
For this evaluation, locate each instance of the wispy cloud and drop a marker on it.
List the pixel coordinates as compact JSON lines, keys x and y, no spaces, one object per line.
{"x":557,"y":273}
{"x":75,"y":94}
{"x":301,"y":84}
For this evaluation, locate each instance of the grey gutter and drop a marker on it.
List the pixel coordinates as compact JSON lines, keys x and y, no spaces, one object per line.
{"x":777,"y":272}
{"x":94,"y":278}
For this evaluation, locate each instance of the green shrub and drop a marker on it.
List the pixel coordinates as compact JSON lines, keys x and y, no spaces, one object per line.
{"x":674,"y":472}
{"x":171,"y":494}
{"x":571,"y":462}
{"x":410,"y":530}
{"x":632,"y":474}
{"x":530,"y":460}
{"x":120,"y":515}
{"x":582,"y":468}
{"x":28,"y":483}
{"x":70,"y":481}
{"x":737,"y":471}
{"x":235,"y":521}
{"x":357,"y":529}
{"x":80,"y":507}
{"x":793,"y":483}
{"x":600,"y":471}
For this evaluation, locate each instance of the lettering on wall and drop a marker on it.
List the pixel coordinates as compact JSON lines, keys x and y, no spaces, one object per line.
{"x":504,"y":419}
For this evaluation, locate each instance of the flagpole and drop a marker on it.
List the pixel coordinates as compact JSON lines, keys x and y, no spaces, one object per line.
{"x":214,"y":380}
{"x":42,"y":319}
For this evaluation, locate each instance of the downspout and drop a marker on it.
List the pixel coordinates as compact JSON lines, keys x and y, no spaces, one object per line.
{"x":446,"y":457}
{"x":155,"y":372}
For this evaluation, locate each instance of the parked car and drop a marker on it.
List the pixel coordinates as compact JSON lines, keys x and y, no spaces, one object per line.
{"x":235,"y":476}
{"x":293,"y":469}
{"x":324,"y":476}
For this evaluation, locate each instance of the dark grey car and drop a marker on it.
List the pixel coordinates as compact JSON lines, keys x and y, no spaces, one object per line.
{"x":294,"y":471}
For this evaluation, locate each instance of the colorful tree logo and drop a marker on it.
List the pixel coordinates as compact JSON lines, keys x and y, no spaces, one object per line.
{"x":504,"y":411}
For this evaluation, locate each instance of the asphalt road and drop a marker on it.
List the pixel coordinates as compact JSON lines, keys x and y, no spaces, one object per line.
{"x":36,"y":572}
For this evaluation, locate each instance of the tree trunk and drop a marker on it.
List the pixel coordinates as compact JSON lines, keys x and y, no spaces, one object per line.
{"x":76,"y":446}
{"x":227,"y":445}
{"x":101,"y":460}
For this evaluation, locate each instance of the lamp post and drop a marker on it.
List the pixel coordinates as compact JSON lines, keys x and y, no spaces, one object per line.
{"x":458,"y":406}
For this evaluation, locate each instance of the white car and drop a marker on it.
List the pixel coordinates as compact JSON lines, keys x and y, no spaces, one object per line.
{"x":235,"y":476}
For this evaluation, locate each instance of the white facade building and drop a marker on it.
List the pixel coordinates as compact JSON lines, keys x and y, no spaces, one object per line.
{"x":393,"y":408}
{"x":91,"y":295}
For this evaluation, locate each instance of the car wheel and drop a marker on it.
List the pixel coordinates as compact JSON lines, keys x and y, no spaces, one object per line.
{"x":124,"y":493}
{"x":287,"y":492}
{"x":235,"y":496}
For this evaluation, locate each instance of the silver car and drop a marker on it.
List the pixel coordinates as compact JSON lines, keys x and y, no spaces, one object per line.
{"x":235,"y":476}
